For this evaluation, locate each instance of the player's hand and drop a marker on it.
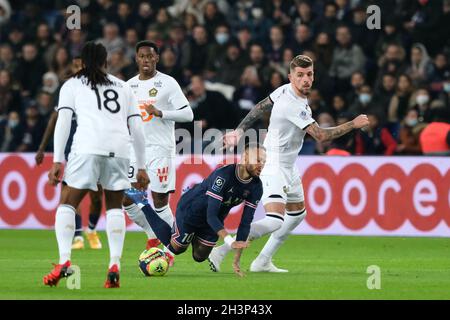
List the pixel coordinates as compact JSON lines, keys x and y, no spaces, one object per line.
{"x":231,"y":139}
{"x":142,"y":179}
{"x":151,"y":110}
{"x":39,"y":157}
{"x":54,"y":174}
{"x":239,"y":245}
{"x":361,"y":121}
{"x":237,"y":264}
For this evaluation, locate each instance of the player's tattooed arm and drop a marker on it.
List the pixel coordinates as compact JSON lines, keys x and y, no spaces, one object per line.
{"x":256,"y":113}
{"x":327,"y":134}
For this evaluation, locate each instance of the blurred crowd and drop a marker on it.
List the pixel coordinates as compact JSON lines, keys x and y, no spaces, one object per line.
{"x":229,"y":54}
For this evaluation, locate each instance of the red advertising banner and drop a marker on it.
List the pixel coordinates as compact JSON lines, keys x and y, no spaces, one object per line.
{"x":407,"y":196}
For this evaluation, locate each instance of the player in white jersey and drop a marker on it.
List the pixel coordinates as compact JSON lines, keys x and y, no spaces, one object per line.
{"x":106,"y":112}
{"x":283,"y":197}
{"x":162,"y":103}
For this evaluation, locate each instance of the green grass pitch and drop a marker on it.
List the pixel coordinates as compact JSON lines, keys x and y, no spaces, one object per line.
{"x":321,"y":267}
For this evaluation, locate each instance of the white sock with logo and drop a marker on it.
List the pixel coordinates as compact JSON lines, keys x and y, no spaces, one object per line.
{"x":65,"y":230}
{"x":136,"y":215}
{"x":115,"y":229}
{"x":291,"y":220}
{"x":166,"y":214}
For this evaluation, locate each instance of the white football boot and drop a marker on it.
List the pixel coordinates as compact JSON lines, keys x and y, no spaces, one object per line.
{"x":265,"y":265}
{"x":215,"y":259}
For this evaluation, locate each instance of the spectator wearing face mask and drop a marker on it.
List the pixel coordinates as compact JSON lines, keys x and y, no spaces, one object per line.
{"x":410,"y":129}
{"x":422,"y":104}
{"x":218,"y":49}
{"x":11,"y":133}
{"x":364,"y":103}
{"x":435,"y":138}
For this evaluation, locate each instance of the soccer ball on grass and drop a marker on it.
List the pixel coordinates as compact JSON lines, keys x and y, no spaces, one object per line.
{"x":153,"y":262}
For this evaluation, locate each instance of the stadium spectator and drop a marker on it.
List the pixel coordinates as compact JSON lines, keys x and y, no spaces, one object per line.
{"x":392,"y":61}
{"x":303,"y":39}
{"x":50,"y":82}
{"x":124,"y":18}
{"x":7,"y":59}
{"x":145,"y":16}
{"x":383,"y":94}
{"x":162,"y":25}
{"x":60,"y":63}
{"x":168,"y":65}
{"x":194,"y":8}
{"x":375,"y":139}
{"x":249,"y":92}
{"x":212,"y":18}
{"x":111,"y":39}
{"x":421,"y":67}
{"x":423,"y":104}
{"x":244,"y":36}
{"x":217,"y":49}
{"x":410,"y":129}
{"x":390,"y":35}
{"x":329,"y":22}
{"x":75,"y":41}
{"x":30,"y":70}
{"x":274,"y":51}
{"x":197,"y":53}
{"x":441,"y":72}
{"x":131,"y":39}
{"x":45,"y":105}
{"x":365,"y":102}
{"x":435,"y":138}
{"x":33,"y":130}
{"x":347,"y":59}
{"x":339,"y":105}
{"x":230,"y":67}
{"x":401,"y":100}
{"x":258,"y":60}
{"x":5,"y":12}
{"x":324,"y":49}
{"x":178,"y":42}
{"x":10,"y":99}
{"x":11,"y":133}
{"x":356,"y":82}
{"x":303,"y":14}
{"x":211,"y":108}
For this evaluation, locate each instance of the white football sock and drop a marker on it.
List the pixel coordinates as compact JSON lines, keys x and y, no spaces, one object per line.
{"x":166,"y":214}
{"x":65,"y":230}
{"x":271,"y":222}
{"x":291,"y":220}
{"x":136,"y":215}
{"x":115,"y":229}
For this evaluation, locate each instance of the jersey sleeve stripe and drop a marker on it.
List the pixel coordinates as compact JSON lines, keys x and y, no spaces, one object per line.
{"x":183,"y":107}
{"x":308,"y":124}
{"x":215,"y":196}
{"x":133,"y":115}
{"x":65,"y":108}
{"x":249,"y":204}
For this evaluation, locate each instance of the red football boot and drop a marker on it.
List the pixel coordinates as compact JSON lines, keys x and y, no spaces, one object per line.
{"x":112,"y":279}
{"x":152,"y":243}
{"x":59,"y":271}
{"x":170,"y":258}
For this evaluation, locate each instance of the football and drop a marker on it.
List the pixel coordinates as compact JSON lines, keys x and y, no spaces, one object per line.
{"x":153,"y":262}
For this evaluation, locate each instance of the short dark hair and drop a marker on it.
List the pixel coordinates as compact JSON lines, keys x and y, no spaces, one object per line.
{"x":146,"y":43}
{"x":301,"y":61}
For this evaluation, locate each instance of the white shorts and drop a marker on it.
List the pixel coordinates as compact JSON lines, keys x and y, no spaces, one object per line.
{"x":161,"y":171}
{"x":281,"y":184}
{"x":85,"y":171}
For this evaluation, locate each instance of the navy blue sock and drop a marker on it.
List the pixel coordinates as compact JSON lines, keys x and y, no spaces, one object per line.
{"x":93,"y":219}
{"x":162,"y":229}
{"x":78,"y":225}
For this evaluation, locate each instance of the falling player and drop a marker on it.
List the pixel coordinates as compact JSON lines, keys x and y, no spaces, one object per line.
{"x":162,"y":103}
{"x":107,"y":113}
{"x":202,"y":210}
{"x":95,"y":207}
{"x":283,"y":197}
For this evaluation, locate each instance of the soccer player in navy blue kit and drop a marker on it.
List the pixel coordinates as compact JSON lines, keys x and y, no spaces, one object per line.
{"x":201,"y":211}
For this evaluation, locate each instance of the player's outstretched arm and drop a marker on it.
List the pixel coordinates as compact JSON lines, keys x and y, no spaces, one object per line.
{"x":327,"y":134}
{"x":231,"y":139}
{"x":46,"y":138}
{"x":62,"y":132}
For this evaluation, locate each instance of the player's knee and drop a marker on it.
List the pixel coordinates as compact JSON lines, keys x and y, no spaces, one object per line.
{"x":176,"y":250}
{"x":198,"y":257}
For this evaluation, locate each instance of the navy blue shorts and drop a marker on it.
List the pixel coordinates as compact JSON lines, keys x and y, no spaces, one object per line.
{"x":183,"y":233}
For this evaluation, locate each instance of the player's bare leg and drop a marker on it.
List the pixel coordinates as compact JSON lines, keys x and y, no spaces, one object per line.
{"x":65,"y":229}
{"x":273,"y":221}
{"x":295,"y":213}
{"x":162,"y":208}
{"x":115,"y":230}
{"x":135,"y":213}
{"x":95,"y":210}
{"x":200,"y":252}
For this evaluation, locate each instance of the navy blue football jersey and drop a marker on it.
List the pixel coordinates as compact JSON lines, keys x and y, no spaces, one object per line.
{"x":208,"y":203}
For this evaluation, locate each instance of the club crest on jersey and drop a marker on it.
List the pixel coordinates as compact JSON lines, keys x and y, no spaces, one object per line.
{"x":304,"y":115}
{"x":218,"y":184}
{"x":158,"y":84}
{"x":152,"y":92}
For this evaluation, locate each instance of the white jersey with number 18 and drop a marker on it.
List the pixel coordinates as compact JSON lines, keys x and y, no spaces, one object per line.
{"x":102,"y":116}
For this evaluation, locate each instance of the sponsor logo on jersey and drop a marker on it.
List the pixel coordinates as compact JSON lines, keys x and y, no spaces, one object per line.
{"x":218,"y":184}
{"x":152,"y":92}
{"x":163,"y":174}
{"x":158,"y":84}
